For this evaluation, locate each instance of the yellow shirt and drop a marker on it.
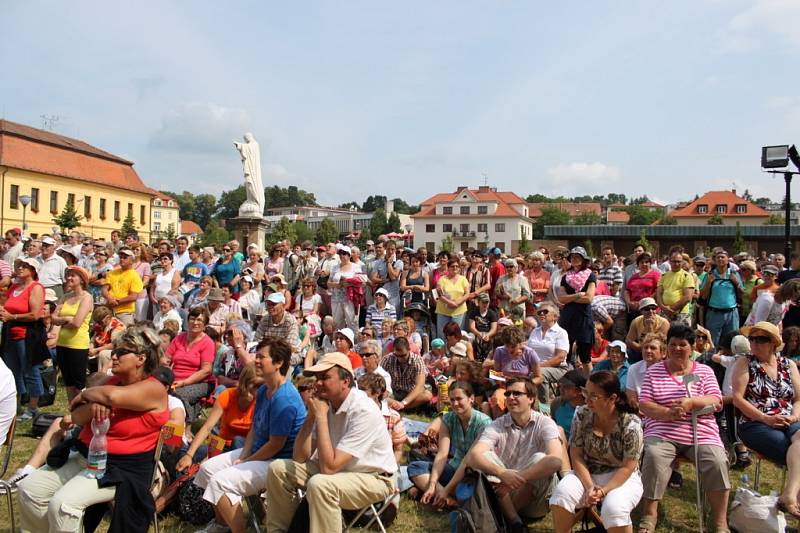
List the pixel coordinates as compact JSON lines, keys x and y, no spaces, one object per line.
{"x":77,"y":338}
{"x":122,"y":283}
{"x":674,"y":283}
{"x":455,"y":289}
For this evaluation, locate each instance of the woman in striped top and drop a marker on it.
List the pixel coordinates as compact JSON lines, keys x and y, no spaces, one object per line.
{"x":668,"y":428}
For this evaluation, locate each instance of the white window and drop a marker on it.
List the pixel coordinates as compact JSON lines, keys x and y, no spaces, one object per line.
{"x":156,"y":214}
{"x":741,"y":208}
{"x":156,"y":226}
{"x":702,"y":208}
{"x":500,"y":227}
{"x":722,"y":209}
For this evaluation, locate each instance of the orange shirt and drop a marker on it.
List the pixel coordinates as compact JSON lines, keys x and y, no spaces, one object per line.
{"x":355,"y":359}
{"x":234,"y":421}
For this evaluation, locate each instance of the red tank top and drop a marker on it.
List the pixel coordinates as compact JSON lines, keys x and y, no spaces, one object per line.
{"x":130,"y":431}
{"x":18,"y":304}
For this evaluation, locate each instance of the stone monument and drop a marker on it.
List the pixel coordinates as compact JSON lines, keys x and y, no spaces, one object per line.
{"x":250,"y":226}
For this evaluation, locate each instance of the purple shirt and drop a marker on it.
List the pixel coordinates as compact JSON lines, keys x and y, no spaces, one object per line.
{"x":520,"y":366}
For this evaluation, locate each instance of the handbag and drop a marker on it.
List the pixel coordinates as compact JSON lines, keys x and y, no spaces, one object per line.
{"x":42,"y":422}
{"x":49,"y":381}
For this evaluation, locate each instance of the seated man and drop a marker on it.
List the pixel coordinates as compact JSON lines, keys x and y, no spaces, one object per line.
{"x":520,"y":452}
{"x":408,"y":377}
{"x":342,"y":457}
{"x":278,"y":417}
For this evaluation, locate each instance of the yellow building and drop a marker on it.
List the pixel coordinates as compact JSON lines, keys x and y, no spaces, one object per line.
{"x":53,"y":169}
{"x":165,"y":216}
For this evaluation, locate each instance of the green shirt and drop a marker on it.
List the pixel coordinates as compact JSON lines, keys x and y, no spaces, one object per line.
{"x":461,"y":442}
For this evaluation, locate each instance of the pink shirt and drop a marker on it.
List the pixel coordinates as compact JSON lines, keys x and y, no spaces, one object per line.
{"x":187,"y":360}
{"x":643,"y":286}
{"x":661,"y":387}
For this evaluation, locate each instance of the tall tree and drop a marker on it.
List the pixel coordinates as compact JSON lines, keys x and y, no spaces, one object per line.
{"x":372,"y":203}
{"x":551,"y":216}
{"x":378,"y":224}
{"x":69,"y":218}
{"x":303,"y":232}
{"x":587,"y":219}
{"x":128,"y":225}
{"x":402,"y":207}
{"x":282,"y":230}
{"x":205,"y":206}
{"x":393,"y":224}
{"x":214,"y":235}
{"x":229,"y":202}
{"x":327,"y":232}
{"x":641,"y":216}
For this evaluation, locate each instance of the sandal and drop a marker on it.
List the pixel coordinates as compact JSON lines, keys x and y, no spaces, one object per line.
{"x":792,"y":510}
{"x":647,"y":524}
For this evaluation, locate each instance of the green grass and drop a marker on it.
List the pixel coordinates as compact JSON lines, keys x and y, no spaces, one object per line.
{"x":677,"y":512}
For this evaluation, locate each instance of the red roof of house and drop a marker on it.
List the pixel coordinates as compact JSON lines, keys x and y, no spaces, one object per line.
{"x":504,"y":200}
{"x":618,"y":216}
{"x":651,"y":204}
{"x":188,"y":227}
{"x":573,"y":208}
{"x":712,"y":199}
{"x":28,"y":148}
{"x":165,"y":197}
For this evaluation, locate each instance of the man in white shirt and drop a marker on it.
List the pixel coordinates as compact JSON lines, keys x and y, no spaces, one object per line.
{"x":14,"y":246}
{"x":53,"y":269}
{"x":181,"y":253}
{"x":342,"y":458}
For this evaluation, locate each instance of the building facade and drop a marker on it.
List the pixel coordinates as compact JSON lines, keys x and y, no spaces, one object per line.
{"x":473,"y":218}
{"x":53,"y":170}
{"x":165,"y":215}
{"x":730,"y":207}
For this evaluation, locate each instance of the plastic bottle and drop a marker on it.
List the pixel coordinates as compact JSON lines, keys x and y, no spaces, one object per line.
{"x":444,"y":398}
{"x":745,"y":479}
{"x":98,"y":451}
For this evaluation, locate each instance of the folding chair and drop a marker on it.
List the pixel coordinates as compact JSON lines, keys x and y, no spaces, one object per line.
{"x":757,"y":475}
{"x":377,"y":509}
{"x":5,"y":487}
{"x":258,"y":510}
{"x":163,"y":435}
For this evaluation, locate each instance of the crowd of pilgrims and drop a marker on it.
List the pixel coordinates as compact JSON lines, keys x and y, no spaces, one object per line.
{"x":557,"y":375}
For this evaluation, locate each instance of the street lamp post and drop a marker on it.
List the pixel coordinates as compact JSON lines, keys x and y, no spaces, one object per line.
{"x":778,"y":157}
{"x":24,"y":200}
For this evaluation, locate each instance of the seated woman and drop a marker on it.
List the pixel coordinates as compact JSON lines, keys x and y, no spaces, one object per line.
{"x":605,"y":447}
{"x":765,"y":387}
{"x":654,"y":349}
{"x":452,"y":336}
{"x":233,"y":411}
{"x":232,"y":354}
{"x":513,"y":359}
{"x":55,"y":498}
{"x":617,"y":362}
{"x":199,"y":297}
{"x":192,"y":355}
{"x":106,"y":328}
{"x":668,"y":428}
{"x":459,"y":428}
{"x":551,"y":343}
{"x":167,"y":310}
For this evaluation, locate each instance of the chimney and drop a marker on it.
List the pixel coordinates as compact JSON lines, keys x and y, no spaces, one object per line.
{"x":484,"y":188}
{"x":733,"y":191}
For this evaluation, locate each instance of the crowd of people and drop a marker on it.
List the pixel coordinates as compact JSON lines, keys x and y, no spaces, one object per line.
{"x":568,"y":381}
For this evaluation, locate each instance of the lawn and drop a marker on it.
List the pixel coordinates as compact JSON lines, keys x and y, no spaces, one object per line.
{"x":678,"y":511}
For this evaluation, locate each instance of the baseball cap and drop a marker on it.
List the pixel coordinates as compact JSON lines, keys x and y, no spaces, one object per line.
{"x":647,"y":302}
{"x":276,"y":298}
{"x":576,"y":378}
{"x":50,"y":295}
{"x":437,"y":343}
{"x":370,"y":242}
{"x":770,"y":269}
{"x":345,"y":250}
{"x":125,"y":251}
{"x":328,"y":361}
{"x":484,"y":297}
{"x":248,"y":279}
{"x":49,"y":241}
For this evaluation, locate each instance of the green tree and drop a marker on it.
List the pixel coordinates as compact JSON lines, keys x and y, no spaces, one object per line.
{"x":373,"y":203}
{"x":303,"y":232}
{"x":589,"y":247}
{"x":537,"y":198}
{"x":738,"y":241}
{"x":170,"y":233}
{"x":402,"y":207}
{"x":393,"y":224}
{"x":667,"y":220}
{"x":447,"y":244}
{"x":276,"y":196}
{"x":378,"y":225}
{"x":587,"y":219}
{"x":775,"y":218}
{"x":551,"y":216}
{"x":69,"y":218}
{"x":327,"y":232}
{"x":128,"y":225}
{"x":229,"y":202}
{"x":349,"y":205}
{"x":205,"y":207}
{"x":641,"y":216}
{"x":283,"y":230}
{"x":524,"y":244}
{"x":715,"y":220}
{"x":762,"y":201}
{"x":643,"y":242}
{"x":214,"y":235}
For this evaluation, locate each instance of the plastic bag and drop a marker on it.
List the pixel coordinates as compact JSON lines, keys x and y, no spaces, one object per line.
{"x":751,"y":511}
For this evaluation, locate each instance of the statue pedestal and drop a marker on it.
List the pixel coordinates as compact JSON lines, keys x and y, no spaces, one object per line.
{"x":248,"y":230}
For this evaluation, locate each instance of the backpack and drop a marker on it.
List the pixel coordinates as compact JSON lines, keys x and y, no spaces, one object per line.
{"x":192,"y":507}
{"x":480,"y":513}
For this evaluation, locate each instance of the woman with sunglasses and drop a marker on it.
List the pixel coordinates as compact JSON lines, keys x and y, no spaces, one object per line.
{"x":605,"y":445}
{"x":551,"y":343}
{"x":227,"y":269}
{"x":765,"y":390}
{"x":135,"y":404}
{"x":765,"y":307}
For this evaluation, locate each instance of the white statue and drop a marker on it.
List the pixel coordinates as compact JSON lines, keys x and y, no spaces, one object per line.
{"x":253,"y":206}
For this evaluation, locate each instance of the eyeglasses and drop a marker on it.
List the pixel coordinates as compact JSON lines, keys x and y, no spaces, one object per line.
{"x":542,"y":312}
{"x":514,"y":393}
{"x":649,"y":308}
{"x":760,"y":339}
{"x":226,"y":249}
{"x":196,"y":318}
{"x":119,"y":352}
{"x":368,"y":354}
{"x":702,"y":337}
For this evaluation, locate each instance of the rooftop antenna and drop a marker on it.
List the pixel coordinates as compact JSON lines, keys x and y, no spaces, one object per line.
{"x":485,"y":178}
{"x":49,"y":121}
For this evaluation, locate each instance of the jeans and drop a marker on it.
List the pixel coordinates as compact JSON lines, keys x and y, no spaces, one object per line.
{"x":443,"y":320}
{"x":26,"y":376}
{"x":721,"y":322}
{"x":772,"y":443}
{"x":418,"y":468}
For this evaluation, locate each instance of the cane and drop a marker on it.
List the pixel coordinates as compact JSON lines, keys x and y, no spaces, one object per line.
{"x":688,"y":380}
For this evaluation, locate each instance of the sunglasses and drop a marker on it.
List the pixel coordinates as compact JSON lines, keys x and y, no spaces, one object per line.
{"x":119,"y":352}
{"x":514,"y":393}
{"x":649,"y":308}
{"x":543,"y":312}
{"x":226,"y":249}
{"x":760,"y":339}
{"x":368,"y":354}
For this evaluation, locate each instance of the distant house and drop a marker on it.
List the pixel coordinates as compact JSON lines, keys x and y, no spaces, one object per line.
{"x":191,"y":231}
{"x":731,"y":207}
{"x":165,"y":215}
{"x":573,"y":208}
{"x":616,"y":218}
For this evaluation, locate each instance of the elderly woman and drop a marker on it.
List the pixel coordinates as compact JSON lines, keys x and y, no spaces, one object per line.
{"x":451,"y":305}
{"x":512,"y":290}
{"x":538,"y":281}
{"x":765,"y":387}
{"x":73,"y":315}
{"x":134,"y":402}
{"x":667,"y":409}
{"x":167,"y":310}
{"x":253,"y":266}
{"x":379,"y":311}
{"x":551,"y":343}
{"x":192,"y":353}
{"x":654,"y":349}
{"x":605,"y":446}
{"x":249,"y":298}
{"x":576,"y":293}
{"x":22,"y":325}
{"x":199,"y":298}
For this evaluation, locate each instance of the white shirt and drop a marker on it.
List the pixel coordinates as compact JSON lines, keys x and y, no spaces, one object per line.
{"x":8,"y":400}
{"x":181,"y":260}
{"x":545,"y":347}
{"x":636,"y":373}
{"x":382,"y":373}
{"x":51,"y":273}
{"x":358,"y":428}
{"x":12,"y":253}
{"x":251,"y":302}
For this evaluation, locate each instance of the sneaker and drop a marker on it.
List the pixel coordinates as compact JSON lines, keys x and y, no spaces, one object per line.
{"x":214,"y":527}
{"x":743,"y":460}
{"x":676,"y":480}
{"x":20,"y":474}
{"x":29,"y":414}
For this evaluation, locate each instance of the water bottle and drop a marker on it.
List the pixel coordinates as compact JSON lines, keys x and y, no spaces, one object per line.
{"x":98,"y":452}
{"x":745,"y":479}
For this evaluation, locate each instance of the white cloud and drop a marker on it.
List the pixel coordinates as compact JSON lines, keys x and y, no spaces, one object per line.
{"x":750,"y":28}
{"x":586,"y":176}
{"x":200,"y":128}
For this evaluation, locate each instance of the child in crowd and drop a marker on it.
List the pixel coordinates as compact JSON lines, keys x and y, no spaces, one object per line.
{"x":375,"y":387}
{"x":730,"y":349}
{"x":436,"y":360}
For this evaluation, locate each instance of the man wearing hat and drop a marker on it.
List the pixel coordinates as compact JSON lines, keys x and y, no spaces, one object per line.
{"x":649,"y":321}
{"x":122,"y":287}
{"x":570,"y":396}
{"x":279,"y":323}
{"x":53,"y":269}
{"x":342,"y":458}
{"x":721,"y":290}
{"x":675,"y":291}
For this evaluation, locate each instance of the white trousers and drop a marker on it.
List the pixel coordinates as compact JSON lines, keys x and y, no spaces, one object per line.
{"x":345,"y":316}
{"x":220,"y":477}
{"x":617,"y":505}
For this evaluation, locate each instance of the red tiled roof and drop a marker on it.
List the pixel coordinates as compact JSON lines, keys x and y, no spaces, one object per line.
{"x":188,"y":227}
{"x":651,"y":204}
{"x":618,"y":216}
{"x":161,"y":196}
{"x":42,"y":151}
{"x":573,"y":208}
{"x":712,"y":199}
{"x":504,"y":200}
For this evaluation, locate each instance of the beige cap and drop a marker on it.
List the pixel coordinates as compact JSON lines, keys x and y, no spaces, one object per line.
{"x":328,"y":361}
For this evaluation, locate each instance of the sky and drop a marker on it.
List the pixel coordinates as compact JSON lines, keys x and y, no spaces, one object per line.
{"x":408,"y":99}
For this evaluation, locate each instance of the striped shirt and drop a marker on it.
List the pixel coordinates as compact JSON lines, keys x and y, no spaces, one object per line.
{"x":662,"y":388}
{"x":605,"y":308}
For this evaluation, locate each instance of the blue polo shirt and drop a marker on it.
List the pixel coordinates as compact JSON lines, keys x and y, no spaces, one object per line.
{"x":282,"y":416}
